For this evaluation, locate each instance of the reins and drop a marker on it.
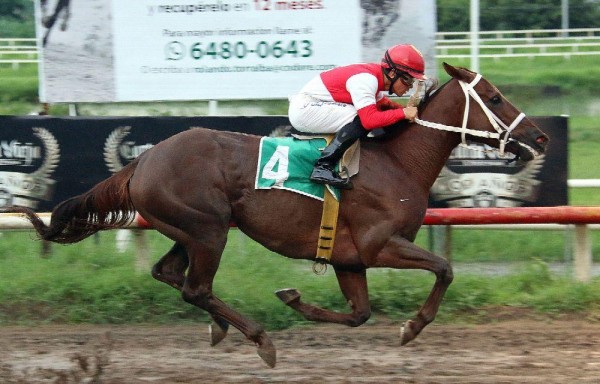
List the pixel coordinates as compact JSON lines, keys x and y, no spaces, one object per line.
{"x":502,"y":133}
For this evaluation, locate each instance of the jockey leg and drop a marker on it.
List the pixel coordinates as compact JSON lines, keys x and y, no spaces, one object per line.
{"x":324,"y":171}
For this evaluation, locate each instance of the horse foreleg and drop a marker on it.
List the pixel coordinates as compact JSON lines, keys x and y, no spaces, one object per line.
{"x":354,"y":288}
{"x":170,"y":269}
{"x":400,"y":253}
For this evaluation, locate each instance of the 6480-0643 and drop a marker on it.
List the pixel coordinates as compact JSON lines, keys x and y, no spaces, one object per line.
{"x":176,"y":50}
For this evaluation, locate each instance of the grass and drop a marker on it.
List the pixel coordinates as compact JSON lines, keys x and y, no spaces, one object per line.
{"x":92,"y":282}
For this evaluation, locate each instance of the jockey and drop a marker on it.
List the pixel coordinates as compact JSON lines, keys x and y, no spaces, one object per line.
{"x":349,"y":102}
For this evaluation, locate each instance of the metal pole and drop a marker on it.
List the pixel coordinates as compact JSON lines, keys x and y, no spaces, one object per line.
{"x":475,"y":35}
{"x":213,"y":106}
{"x":565,"y":17}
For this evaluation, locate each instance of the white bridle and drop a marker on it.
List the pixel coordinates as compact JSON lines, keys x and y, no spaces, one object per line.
{"x":502,"y":133}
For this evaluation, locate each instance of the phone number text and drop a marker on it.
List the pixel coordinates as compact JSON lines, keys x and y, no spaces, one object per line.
{"x":176,"y":50}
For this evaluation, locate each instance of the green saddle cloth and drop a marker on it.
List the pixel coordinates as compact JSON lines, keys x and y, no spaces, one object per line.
{"x":286,"y":163}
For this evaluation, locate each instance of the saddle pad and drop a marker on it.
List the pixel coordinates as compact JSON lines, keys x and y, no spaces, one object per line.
{"x":286,"y":163}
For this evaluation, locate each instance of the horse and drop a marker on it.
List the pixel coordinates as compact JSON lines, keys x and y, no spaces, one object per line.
{"x":48,"y":21}
{"x":191,"y":186}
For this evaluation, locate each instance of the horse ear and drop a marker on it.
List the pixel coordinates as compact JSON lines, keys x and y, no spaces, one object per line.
{"x":457,"y":73}
{"x":450,"y":69}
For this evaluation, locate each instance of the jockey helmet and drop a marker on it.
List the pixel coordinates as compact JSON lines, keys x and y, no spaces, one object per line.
{"x":405,"y":58}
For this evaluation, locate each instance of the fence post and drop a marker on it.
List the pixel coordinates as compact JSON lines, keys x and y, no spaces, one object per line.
{"x":440,"y":240}
{"x":583,"y":253}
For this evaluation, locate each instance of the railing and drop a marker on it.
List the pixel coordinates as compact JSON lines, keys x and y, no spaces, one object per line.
{"x":18,"y":51}
{"x":492,"y":44}
{"x":521,"y":43}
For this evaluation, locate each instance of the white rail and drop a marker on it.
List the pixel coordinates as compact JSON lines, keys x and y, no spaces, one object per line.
{"x":492,"y":44}
{"x":524,"y":43}
{"x":24,"y":48}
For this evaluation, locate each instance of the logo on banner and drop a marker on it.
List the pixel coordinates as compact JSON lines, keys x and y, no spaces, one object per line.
{"x":118,"y":152}
{"x":27,"y":165}
{"x":477,"y":178}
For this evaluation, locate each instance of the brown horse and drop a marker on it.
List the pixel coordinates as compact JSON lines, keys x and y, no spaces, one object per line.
{"x":192,"y":185}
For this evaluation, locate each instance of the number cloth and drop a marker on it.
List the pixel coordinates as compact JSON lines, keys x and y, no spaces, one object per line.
{"x":286,"y":163}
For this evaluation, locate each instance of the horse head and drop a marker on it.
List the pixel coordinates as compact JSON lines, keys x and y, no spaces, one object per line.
{"x":488,"y":117}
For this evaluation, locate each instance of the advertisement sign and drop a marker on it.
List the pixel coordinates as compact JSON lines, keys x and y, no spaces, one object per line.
{"x":151,"y":50}
{"x":223,"y":49}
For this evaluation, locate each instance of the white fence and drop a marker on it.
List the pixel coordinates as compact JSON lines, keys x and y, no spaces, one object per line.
{"x":521,"y":43}
{"x":18,"y":51}
{"x":492,"y":44}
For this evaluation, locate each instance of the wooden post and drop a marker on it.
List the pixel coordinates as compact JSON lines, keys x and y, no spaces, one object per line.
{"x":440,"y":241}
{"x":582,"y":248}
{"x":142,"y":251}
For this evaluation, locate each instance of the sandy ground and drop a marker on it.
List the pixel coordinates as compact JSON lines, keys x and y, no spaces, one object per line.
{"x":522,"y":351}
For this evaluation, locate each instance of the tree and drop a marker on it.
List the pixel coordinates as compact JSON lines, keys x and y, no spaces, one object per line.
{"x":16,"y":9}
{"x":453,"y":15}
{"x":16,"y":18}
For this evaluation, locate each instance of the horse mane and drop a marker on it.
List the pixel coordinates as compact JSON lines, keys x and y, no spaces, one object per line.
{"x":431,"y":90}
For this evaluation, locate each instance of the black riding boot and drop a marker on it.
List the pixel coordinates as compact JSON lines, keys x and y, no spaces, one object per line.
{"x":324,"y":171}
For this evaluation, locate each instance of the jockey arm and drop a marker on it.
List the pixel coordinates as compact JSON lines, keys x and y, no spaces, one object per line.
{"x":385,"y":104}
{"x":372,"y":118}
{"x":373,"y":113}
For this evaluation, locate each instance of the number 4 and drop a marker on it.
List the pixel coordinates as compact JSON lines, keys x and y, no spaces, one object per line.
{"x":279,"y":160}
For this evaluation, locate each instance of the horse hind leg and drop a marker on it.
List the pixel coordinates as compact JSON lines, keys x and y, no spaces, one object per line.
{"x":197,"y":290}
{"x":354,"y":288}
{"x":170,"y":269}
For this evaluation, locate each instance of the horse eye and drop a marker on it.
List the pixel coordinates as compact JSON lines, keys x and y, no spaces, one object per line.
{"x":496,"y":100}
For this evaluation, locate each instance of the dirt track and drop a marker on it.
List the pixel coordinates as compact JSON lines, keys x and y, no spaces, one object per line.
{"x":525,"y":351}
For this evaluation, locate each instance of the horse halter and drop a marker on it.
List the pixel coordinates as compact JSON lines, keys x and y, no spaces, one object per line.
{"x":503,"y":131}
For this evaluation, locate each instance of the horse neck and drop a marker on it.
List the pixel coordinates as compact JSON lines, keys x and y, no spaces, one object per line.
{"x":422,"y":152}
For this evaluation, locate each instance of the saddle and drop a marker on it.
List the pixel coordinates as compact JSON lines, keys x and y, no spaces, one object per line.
{"x":350,"y":161}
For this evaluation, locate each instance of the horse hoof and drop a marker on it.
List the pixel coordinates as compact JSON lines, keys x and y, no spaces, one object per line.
{"x":288,"y":295}
{"x":217,"y":333}
{"x":406,"y":332}
{"x":266,"y":351}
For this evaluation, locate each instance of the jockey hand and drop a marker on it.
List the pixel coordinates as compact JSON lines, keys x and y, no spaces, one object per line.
{"x":410,"y":113}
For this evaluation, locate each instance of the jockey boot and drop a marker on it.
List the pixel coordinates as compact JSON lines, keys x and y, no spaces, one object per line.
{"x":324,"y":171}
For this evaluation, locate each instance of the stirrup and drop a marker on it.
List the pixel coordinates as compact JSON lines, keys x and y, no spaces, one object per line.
{"x":330,"y":178}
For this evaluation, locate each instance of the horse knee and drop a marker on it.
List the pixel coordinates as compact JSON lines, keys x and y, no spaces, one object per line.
{"x":444,"y":274}
{"x":447,"y":275}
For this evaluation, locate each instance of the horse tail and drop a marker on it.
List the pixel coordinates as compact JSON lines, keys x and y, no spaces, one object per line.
{"x":107,"y":205}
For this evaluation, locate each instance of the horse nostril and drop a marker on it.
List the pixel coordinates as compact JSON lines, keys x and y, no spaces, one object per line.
{"x":542,"y":139}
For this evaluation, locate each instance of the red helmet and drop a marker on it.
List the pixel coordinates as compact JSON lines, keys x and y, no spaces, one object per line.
{"x":405,"y":58}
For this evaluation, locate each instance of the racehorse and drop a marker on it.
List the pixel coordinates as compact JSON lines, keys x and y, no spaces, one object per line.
{"x":191,"y":186}
{"x":49,"y":21}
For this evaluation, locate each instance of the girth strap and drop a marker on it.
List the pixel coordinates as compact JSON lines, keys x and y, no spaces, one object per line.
{"x":327,"y":230}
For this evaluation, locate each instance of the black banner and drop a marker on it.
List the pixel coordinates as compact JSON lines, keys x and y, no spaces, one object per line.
{"x":45,"y":160}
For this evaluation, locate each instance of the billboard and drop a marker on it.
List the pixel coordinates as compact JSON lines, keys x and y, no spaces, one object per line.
{"x":152,"y":50}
